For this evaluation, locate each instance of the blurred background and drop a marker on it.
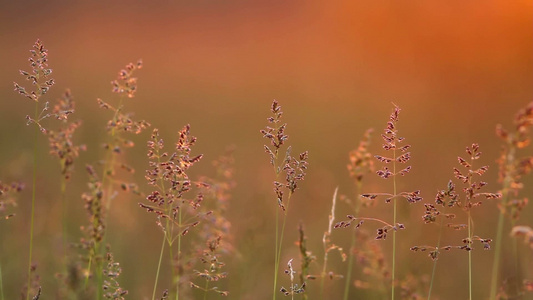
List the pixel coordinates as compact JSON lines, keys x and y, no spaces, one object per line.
{"x":455,"y":68}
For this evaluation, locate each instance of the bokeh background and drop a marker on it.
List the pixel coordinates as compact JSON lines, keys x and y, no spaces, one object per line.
{"x":455,"y":68}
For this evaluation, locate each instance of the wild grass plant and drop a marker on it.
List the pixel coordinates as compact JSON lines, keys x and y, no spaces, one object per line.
{"x":104,"y":188}
{"x":39,"y":76}
{"x":197,"y":248}
{"x":293,"y":169}
{"x":176,"y":213}
{"x":449,"y":198}
{"x":400,"y":155}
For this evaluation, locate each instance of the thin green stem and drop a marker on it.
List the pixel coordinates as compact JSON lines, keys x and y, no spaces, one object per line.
{"x":282,"y":232}
{"x":206,"y":288}
{"x":276,"y":258}
{"x":179,"y":256}
{"x":350,"y":266}
{"x":34,"y":184}
{"x":394,"y":252}
{"x":277,"y":244}
{"x":435,"y":261}
{"x":394,"y":232}
{"x":281,"y":240}
{"x":470,"y":256}
{"x":170,"y":241}
{"x":158,"y":267}
{"x":171,"y":257}
{"x":100,"y":279}
{"x":470,"y":229}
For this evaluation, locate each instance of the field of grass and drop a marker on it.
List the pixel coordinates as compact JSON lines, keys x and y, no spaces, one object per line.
{"x":121,"y":187}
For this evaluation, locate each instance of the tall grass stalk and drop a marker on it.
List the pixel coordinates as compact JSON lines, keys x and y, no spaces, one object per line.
{"x":391,"y":142}
{"x":294,"y":169}
{"x":470,"y":257}
{"x":449,"y":198}
{"x":394,"y":222}
{"x":124,"y":85}
{"x":107,"y":184}
{"x":33,"y":195}
{"x":38,"y":77}
{"x":167,"y":239}
{"x":61,"y":145}
{"x":470,"y":194}
{"x":167,"y":173}
{"x":470,"y":222}
{"x":279,"y":242}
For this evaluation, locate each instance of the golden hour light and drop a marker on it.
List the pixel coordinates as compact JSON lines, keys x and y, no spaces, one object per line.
{"x":316,"y":150}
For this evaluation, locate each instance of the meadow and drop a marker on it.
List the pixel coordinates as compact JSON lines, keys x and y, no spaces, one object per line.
{"x":266,"y":149}
{"x":66,"y":226}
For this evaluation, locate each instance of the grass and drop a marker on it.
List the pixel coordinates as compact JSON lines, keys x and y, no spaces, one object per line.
{"x":38,"y":77}
{"x":198,"y":249}
{"x":294,"y":169}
